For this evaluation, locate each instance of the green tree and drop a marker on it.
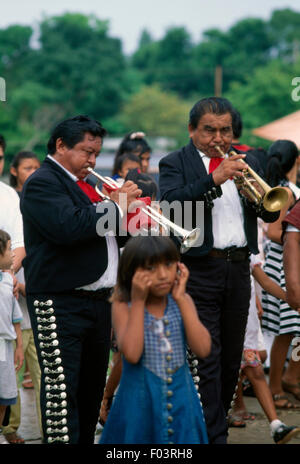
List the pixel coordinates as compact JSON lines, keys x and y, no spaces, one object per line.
{"x":264,"y":97}
{"x":81,"y":64}
{"x":157,"y":113}
{"x":168,"y":62}
{"x":284,"y":29}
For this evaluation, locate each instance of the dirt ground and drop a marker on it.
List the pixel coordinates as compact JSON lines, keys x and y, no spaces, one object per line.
{"x":255,"y":432}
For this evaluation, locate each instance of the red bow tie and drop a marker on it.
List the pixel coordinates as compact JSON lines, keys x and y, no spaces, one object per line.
{"x":89,"y":191}
{"x":214,"y":163}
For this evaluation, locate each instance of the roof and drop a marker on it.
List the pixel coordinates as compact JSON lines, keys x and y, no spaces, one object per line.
{"x":287,"y":128}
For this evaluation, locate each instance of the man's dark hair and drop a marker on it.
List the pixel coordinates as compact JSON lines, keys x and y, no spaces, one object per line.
{"x":214,"y":105}
{"x":237,"y":124}
{"x":2,"y":142}
{"x":72,"y":131}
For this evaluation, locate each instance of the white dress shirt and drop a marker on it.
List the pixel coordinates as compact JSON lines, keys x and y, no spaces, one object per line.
{"x":109,"y":278}
{"x":10,"y":215}
{"x":227,"y":215}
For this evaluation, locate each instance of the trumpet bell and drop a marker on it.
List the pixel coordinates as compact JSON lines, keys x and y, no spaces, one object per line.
{"x":189,"y":240}
{"x":275,"y":199}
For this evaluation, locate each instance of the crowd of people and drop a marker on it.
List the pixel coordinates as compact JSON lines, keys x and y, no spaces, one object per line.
{"x":184,"y":328}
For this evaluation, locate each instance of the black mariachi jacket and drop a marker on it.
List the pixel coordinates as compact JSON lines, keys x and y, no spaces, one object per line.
{"x":183,"y":177}
{"x":63,"y":249}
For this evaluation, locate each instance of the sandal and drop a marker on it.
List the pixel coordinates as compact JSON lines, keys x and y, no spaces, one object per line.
{"x":286,"y":405}
{"x":27,"y":382}
{"x":290,"y":388}
{"x":236,"y":421}
{"x":14,"y":439}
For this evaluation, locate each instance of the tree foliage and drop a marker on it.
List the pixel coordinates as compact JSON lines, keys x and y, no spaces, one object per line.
{"x":76,"y":66}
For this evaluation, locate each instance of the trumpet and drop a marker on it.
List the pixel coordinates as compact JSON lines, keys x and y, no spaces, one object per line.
{"x":273,"y":199}
{"x":187,"y":238}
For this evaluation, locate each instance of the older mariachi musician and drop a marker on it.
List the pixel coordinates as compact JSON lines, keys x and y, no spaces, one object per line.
{"x":70,"y":270}
{"x":219,"y":269}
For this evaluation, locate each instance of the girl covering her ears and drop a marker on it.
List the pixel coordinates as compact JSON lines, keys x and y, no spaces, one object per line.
{"x":153,"y":318}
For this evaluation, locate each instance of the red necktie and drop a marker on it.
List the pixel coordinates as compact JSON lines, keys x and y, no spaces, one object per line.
{"x":214,"y":163}
{"x":89,"y":191}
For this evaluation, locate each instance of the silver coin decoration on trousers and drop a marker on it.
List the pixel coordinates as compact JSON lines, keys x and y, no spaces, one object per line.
{"x":57,"y":430}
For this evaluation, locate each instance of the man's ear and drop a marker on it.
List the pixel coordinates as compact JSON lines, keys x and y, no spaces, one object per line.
{"x":191,"y":130}
{"x":60,"y":146}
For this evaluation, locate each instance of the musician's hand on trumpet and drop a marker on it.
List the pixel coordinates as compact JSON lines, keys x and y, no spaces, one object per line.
{"x":229,"y":168}
{"x":125,"y":195}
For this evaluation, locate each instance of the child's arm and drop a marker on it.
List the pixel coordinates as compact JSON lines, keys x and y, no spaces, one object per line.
{"x":291,"y":264}
{"x":22,"y":289}
{"x":128,"y":322}
{"x":274,"y":230}
{"x":198,"y":337}
{"x":268,"y":284}
{"x":19,"y":355}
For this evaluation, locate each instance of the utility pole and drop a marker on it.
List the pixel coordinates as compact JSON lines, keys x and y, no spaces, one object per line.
{"x":218,"y":81}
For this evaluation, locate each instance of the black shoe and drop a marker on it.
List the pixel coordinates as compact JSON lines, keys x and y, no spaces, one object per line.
{"x":285,"y":433}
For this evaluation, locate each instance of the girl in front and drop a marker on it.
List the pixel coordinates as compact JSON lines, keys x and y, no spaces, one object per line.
{"x":154,"y":318}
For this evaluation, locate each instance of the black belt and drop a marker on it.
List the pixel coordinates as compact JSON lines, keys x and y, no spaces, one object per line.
{"x":101,"y":294}
{"x":230,"y":253}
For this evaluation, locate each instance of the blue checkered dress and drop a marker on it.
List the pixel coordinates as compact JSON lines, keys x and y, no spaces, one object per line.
{"x":157,"y":401}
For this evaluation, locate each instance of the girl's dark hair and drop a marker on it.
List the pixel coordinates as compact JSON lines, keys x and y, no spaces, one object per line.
{"x":237,"y":124}
{"x":2,"y":142}
{"x":282,"y":155}
{"x":134,"y":142}
{"x":144,"y":182}
{"x":142,"y":251}
{"x":125,"y":157}
{"x":4,"y":238}
{"x":72,"y":131}
{"x":215,"y":105}
{"x":16,"y":162}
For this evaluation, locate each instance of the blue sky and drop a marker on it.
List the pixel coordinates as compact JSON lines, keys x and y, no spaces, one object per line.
{"x":127,"y":18}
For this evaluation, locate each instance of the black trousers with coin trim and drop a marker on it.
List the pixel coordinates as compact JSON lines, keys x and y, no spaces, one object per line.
{"x":221,"y":292}
{"x":72,"y":335}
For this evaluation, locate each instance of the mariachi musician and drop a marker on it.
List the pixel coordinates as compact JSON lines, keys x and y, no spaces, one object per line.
{"x":219,"y":279}
{"x":70,"y":269}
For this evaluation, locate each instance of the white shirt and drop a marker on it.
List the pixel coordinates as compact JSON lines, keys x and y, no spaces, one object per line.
{"x":10,"y":215}
{"x":10,"y":312}
{"x":253,"y":324}
{"x":227,"y":215}
{"x":109,"y":278}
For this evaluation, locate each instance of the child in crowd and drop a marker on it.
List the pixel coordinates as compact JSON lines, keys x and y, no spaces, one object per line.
{"x":134,"y":142}
{"x":251,"y":365}
{"x":125,"y":163}
{"x":10,"y":317}
{"x":23,"y":165}
{"x":154,"y":318}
